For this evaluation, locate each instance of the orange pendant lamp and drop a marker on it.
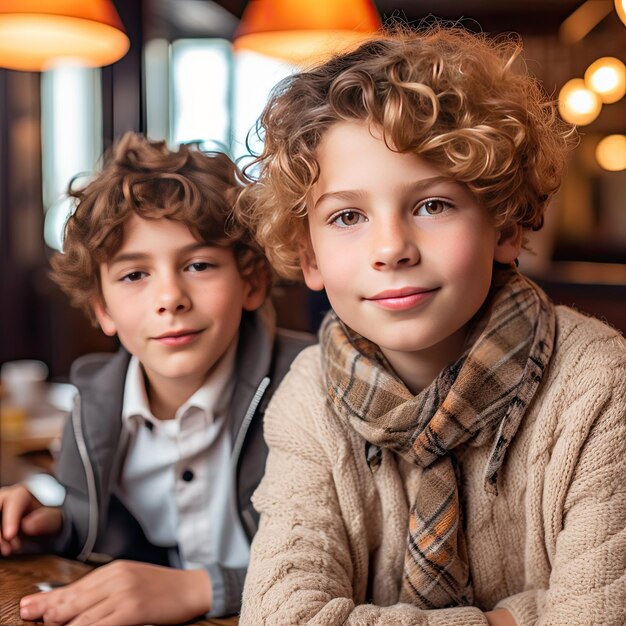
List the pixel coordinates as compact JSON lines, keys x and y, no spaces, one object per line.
{"x":36,"y":34}
{"x":304,"y":31}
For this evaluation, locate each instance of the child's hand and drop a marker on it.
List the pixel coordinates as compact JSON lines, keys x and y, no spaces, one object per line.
{"x":500,"y":617}
{"x":124,"y":593}
{"x":23,"y":514}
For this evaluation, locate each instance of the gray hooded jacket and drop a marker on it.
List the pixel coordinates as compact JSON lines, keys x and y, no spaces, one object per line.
{"x":93,"y":445}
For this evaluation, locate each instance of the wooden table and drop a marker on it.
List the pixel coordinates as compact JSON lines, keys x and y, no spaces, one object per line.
{"x":19,"y":576}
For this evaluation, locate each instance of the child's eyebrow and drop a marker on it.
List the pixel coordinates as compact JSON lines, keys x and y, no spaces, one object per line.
{"x":426,"y":183}
{"x":126,"y":257}
{"x":346,"y":195}
{"x":354,"y":194}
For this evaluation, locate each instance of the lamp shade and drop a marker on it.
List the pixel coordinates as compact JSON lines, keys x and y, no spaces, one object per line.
{"x":301,"y":31}
{"x":36,"y":34}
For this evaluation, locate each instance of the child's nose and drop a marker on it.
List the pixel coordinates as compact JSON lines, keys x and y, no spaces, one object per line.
{"x":394,"y":246}
{"x":172,"y":297}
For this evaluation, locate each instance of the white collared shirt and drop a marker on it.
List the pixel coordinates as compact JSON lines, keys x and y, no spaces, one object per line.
{"x":176,"y":478}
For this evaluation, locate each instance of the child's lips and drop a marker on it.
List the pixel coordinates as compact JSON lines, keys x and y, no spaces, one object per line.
{"x":178,"y":338}
{"x":401,"y":299}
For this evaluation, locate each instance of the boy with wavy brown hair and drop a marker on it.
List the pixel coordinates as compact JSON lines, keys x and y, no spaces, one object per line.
{"x":164,"y":447}
{"x":454,"y":450}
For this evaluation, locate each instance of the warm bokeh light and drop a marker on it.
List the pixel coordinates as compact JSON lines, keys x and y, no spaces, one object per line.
{"x":305,"y":31}
{"x":578,"y":104}
{"x":611,"y":153}
{"x":607,"y":77}
{"x":35,"y":35}
{"x":583,"y":20}
{"x":620,"y":7}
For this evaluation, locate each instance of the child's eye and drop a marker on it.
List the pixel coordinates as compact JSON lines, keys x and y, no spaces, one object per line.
{"x":347,"y":218}
{"x":133,"y":277}
{"x":200,"y":266}
{"x":432,"y":206}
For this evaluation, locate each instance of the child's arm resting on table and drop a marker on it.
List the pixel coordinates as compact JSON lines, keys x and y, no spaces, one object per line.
{"x":24,"y":516}
{"x":124,"y":593}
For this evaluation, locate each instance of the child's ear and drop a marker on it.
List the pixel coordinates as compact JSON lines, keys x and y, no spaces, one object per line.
{"x":255,"y":290}
{"x":509,"y":244}
{"x":308,"y":264}
{"x":102,"y":315}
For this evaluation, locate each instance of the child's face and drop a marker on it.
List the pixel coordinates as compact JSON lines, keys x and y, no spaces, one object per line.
{"x":405,"y":254}
{"x":175,"y":303}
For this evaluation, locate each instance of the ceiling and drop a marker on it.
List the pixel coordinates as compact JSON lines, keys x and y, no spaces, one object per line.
{"x":524,"y":16}
{"x":497,"y":10}
{"x":537,"y":21}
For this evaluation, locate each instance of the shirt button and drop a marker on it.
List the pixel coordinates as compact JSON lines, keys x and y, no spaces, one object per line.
{"x":187,"y":476}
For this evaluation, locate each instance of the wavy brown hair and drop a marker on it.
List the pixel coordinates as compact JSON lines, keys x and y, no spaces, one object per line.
{"x":145,"y":178}
{"x":444,"y":94}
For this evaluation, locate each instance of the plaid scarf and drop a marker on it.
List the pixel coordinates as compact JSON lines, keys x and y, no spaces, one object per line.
{"x":481,"y":397}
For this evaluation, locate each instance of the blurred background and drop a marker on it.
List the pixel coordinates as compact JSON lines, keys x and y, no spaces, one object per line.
{"x":180,"y":78}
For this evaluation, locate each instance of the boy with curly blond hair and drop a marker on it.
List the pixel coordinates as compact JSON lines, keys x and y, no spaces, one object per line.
{"x":164,"y":447}
{"x":454,"y":450}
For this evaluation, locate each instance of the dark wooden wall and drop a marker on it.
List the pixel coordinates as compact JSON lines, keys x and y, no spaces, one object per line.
{"x":36,"y":320}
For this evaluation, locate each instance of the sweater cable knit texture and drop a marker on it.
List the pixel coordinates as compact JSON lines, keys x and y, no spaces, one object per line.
{"x":550,"y":546}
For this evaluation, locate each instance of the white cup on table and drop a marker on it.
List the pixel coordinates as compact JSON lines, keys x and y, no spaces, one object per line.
{"x":23,"y":382}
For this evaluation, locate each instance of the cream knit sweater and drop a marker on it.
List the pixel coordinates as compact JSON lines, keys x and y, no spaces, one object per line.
{"x":551,"y":547}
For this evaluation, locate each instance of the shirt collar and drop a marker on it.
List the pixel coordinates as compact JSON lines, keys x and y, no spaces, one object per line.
{"x":211,"y":399}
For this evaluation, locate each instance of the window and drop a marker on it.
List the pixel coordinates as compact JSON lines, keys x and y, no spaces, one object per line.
{"x":71,"y":111}
{"x":197,"y":90}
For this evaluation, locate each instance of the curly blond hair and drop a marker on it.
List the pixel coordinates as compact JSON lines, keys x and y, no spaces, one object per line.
{"x":145,"y":178}
{"x":444,"y":94}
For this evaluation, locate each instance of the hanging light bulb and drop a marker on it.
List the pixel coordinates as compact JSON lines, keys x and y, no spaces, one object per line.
{"x":303,"y":31}
{"x":607,"y":77}
{"x":620,"y":7}
{"x":577,"y":104}
{"x":36,"y":34}
{"x":611,"y":153}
